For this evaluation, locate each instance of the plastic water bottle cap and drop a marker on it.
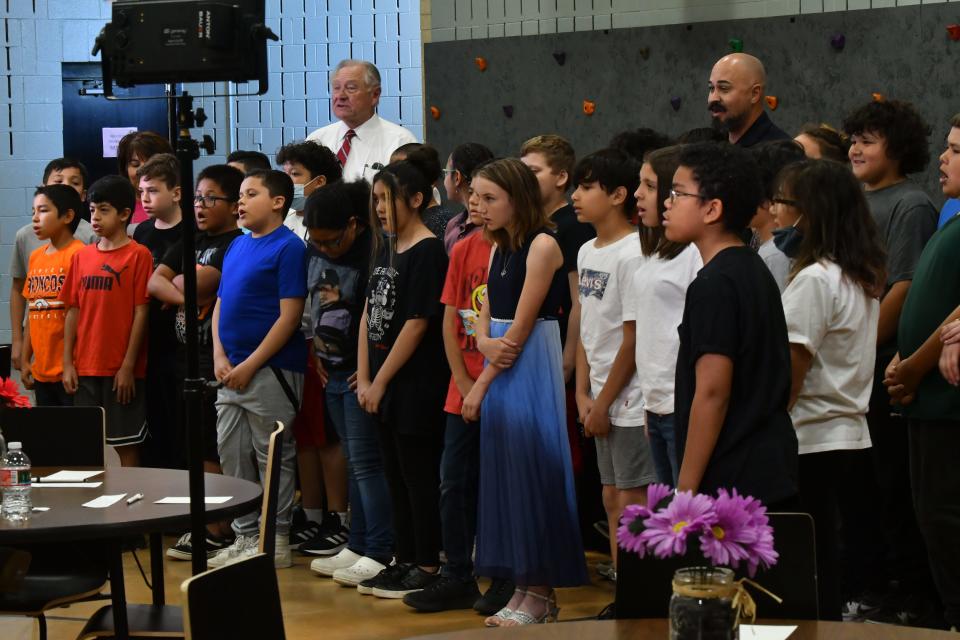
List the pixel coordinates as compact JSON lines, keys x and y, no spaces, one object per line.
{"x":13,"y":446}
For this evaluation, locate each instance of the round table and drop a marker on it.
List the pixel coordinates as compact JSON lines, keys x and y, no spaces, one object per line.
{"x":659,"y":629}
{"x":69,"y":520}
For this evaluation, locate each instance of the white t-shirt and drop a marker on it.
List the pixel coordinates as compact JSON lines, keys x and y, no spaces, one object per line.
{"x":659,"y":292}
{"x":777,"y":261}
{"x":376,"y":139}
{"x":294,"y":222}
{"x":605,"y":274}
{"x":836,"y":321}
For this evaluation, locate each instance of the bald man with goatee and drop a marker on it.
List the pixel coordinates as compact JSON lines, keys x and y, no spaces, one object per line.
{"x":737,"y":84}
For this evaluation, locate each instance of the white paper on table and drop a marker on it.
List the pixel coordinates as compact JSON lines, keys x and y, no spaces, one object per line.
{"x":70,"y":476}
{"x":41,"y":509}
{"x":105,"y":501}
{"x":63,"y":485}
{"x":765,"y":631}
{"x":186,"y":500}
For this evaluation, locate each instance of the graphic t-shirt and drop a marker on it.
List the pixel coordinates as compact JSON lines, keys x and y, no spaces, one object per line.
{"x":208,"y":251}
{"x":257,"y":274}
{"x":45,"y":312}
{"x":161,"y":339}
{"x":466,"y":290}
{"x":337,"y":293}
{"x":406,"y":288}
{"x":26,"y":242}
{"x":606,"y":275}
{"x":107,"y":287}
{"x":733,"y":309}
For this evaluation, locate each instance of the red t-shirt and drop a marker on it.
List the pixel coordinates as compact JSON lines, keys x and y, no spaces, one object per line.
{"x":107,"y":287}
{"x":466,"y":290}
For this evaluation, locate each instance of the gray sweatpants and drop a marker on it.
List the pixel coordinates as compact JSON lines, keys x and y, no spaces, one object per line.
{"x":245,"y":420}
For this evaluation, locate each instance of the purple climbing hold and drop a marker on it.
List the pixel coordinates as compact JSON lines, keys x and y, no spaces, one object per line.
{"x":560,"y":57}
{"x":838,"y":41}
{"x":675,"y":103}
{"x":508,"y":110}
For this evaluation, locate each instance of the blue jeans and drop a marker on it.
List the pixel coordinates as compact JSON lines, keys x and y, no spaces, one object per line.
{"x":664,"y":447}
{"x":459,"y":484}
{"x":371,"y":515}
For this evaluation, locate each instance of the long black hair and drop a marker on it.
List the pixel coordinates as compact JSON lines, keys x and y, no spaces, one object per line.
{"x":839,"y":226}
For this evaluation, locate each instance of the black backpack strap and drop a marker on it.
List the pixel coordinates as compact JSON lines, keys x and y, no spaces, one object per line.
{"x":291,"y":396}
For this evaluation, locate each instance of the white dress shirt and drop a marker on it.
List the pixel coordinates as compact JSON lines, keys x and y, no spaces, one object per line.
{"x":376,"y":139}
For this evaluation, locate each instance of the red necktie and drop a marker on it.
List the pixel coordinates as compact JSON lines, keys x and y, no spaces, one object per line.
{"x":345,"y":147}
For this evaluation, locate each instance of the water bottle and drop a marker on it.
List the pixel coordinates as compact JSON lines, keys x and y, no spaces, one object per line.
{"x":15,"y":476}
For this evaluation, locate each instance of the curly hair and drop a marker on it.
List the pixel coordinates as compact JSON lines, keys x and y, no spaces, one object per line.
{"x":728,"y":174}
{"x":639,"y":142}
{"x":315,"y":158}
{"x":900,"y":125}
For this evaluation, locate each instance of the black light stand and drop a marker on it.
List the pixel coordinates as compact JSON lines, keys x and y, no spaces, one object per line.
{"x":194,"y":386}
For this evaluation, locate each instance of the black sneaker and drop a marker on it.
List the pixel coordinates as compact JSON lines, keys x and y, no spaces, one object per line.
{"x":302,"y":533}
{"x":414,"y":579}
{"x":183,"y":550}
{"x":445,"y":594}
{"x":497,"y":596}
{"x":329,"y":539}
{"x":390,"y":574}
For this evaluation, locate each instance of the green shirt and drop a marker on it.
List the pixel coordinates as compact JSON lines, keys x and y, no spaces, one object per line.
{"x":933,"y":295}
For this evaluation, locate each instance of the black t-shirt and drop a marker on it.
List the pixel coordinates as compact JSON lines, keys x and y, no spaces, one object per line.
{"x":571,"y":235}
{"x":436,"y":219}
{"x":762,"y":130}
{"x":209,"y":251}
{"x":337,"y":290}
{"x":161,"y":339}
{"x":409,"y":288}
{"x":733,"y":308}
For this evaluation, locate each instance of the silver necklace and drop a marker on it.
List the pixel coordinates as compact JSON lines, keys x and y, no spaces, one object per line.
{"x":506,"y":263}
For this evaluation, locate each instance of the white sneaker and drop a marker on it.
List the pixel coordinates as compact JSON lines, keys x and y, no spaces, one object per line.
{"x":242,"y":547}
{"x":359,"y":571}
{"x":327,"y":566}
{"x":282,"y":556}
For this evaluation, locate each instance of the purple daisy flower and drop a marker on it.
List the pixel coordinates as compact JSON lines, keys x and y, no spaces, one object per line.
{"x":727,"y":541}
{"x":668,"y":529}
{"x":631,"y":526}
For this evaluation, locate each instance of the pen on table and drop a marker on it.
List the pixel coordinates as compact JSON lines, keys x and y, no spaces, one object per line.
{"x":134,"y":498}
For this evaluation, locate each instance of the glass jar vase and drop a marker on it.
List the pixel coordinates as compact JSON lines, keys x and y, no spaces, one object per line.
{"x":701,"y":607}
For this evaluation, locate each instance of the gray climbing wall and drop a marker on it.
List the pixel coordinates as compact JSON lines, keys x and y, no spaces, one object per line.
{"x":631,"y":75}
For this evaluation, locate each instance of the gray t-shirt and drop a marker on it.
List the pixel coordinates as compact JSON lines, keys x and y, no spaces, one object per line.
{"x":27,"y":242}
{"x":777,"y":261}
{"x":906,"y":218}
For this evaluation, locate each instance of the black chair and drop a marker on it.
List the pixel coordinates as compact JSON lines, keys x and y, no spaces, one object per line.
{"x":6,"y":352}
{"x":13,"y":567}
{"x":644,"y":585}
{"x":57,"y":436}
{"x":271,"y":489}
{"x":239,"y":600}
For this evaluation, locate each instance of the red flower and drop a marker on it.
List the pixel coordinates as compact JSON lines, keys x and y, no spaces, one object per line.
{"x":10,"y":394}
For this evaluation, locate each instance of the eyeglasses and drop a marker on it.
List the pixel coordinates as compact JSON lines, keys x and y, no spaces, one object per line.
{"x":330,"y":244}
{"x":208,"y":202}
{"x":674,"y":194}
{"x":785,"y":202}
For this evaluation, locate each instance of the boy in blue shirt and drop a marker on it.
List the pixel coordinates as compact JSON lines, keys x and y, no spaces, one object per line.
{"x":259,"y":353}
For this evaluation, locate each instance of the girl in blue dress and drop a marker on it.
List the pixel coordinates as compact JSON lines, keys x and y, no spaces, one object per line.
{"x":527,"y":528}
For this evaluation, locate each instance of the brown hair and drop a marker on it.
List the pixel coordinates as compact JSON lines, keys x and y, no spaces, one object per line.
{"x":522,"y":187}
{"x":664,"y":163}
{"x":142,"y":144}
{"x":833,"y":144}
{"x":955,"y":121}
{"x":163,"y":166}
{"x":557,"y":151}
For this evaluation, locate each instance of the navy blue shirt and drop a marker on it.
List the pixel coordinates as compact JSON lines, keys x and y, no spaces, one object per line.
{"x":257,"y":274}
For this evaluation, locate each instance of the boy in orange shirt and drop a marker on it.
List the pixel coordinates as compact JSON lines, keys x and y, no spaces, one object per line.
{"x":105,"y":292}
{"x":56,"y":215}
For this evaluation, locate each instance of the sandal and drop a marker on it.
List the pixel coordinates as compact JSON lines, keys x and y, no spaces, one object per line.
{"x":504,"y":614}
{"x":550,"y":615}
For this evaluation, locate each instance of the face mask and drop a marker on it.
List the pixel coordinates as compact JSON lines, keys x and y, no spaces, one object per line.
{"x":788,"y":239}
{"x":299,"y":198}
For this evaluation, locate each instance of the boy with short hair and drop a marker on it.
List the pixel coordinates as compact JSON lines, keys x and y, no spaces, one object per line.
{"x":609,"y":398}
{"x":59,"y":171}
{"x":105,"y":294}
{"x":776,"y":253}
{"x":56,"y":214}
{"x":259,"y":352}
{"x":320,"y":460}
{"x":888,"y":142}
{"x":733,"y":430}
{"x":247,"y":161}
{"x":929,"y":395}
{"x":215,"y":208}
{"x":159,"y":186}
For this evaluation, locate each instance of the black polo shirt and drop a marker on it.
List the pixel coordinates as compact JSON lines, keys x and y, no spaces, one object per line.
{"x":762,"y":130}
